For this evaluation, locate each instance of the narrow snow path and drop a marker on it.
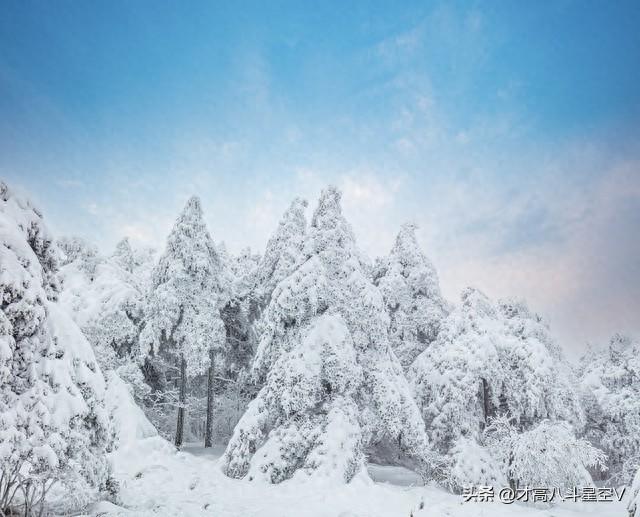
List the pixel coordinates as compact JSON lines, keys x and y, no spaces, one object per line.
{"x":157,"y":480}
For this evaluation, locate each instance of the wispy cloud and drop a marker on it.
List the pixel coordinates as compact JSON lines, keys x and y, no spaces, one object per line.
{"x":432,"y":114}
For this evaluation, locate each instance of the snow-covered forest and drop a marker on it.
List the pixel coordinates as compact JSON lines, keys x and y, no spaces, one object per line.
{"x":308,"y":379}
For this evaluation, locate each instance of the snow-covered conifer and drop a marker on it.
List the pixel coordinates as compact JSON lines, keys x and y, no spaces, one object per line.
{"x":183,"y":311}
{"x":488,"y":361}
{"x":491,"y":360}
{"x":610,"y":382}
{"x":78,"y":250}
{"x":409,"y":285}
{"x":53,"y":424}
{"x":123,"y":255}
{"x":332,"y":385}
{"x":283,"y":250}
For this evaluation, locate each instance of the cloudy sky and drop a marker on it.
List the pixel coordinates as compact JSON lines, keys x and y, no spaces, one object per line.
{"x":509,"y":131}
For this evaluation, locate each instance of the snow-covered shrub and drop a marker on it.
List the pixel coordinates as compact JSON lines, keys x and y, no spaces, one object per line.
{"x":106,"y":302}
{"x":548,"y":454}
{"x":471,"y":464}
{"x":610,"y":382}
{"x":332,"y":385}
{"x":76,"y":249}
{"x":53,"y":424}
{"x":411,"y":292}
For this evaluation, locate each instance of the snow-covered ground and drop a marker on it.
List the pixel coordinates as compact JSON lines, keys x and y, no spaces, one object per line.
{"x":157,"y":480}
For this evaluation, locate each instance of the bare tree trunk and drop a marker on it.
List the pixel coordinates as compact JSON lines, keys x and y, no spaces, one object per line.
{"x":484,"y":394}
{"x":182,"y":402}
{"x":208,"y":436}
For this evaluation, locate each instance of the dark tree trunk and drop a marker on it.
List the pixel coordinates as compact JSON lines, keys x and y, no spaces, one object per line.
{"x":208,"y":435}
{"x":484,"y":395}
{"x":182,"y":402}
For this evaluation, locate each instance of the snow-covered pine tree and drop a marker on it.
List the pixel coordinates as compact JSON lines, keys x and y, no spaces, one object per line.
{"x":256,"y":277}
{"x":183,"y":310}
{"x":123,"y":255}
{"x":283,"y":250}
{"x":53,"y":425}
{"x":332,"y":385}
{"x":411,"y":292}
{"x":610,"y":382}
{"x":240,"y":311}
{"x":253,"y":281}
{"x":491,"y":360}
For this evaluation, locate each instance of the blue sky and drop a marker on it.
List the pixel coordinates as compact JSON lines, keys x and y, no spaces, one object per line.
{"x":507,"y":130}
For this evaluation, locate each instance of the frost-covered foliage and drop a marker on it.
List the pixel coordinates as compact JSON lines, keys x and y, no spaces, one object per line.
{"x":411,"y":291}
{"x":283,"y":250}
{"x":471,"y":464}
{"x":257,"y":277}
{"x":123,"y":255}
{"x":105,"y":296}
{"x":53,"y":423}
{"x":182,"y":317}
{"x":78,"y":250}
{"x":491,"y":360}
{"x":332,"y":385}
{"x":240,"y":311}
{"x":610,"y":382}
{"x":254,"y":280}
{"x":106,"y":301}
{"x":183,"y":325}
{"x":243,"y":267}
{"x":547,"y":455}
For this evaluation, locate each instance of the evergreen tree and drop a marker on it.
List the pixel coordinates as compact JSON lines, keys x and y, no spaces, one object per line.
{"x":491,"y":360}
{"x":332,"y":385}
{"x":283,"y":250}
{"x":123,"y":255}
{"x":409,"y":285}
{"x":78,"y":250}
{"x":610,"y":382}
{"x":183,"y":311}
{"x":53,"y":425}
{"x":257,"y":277}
